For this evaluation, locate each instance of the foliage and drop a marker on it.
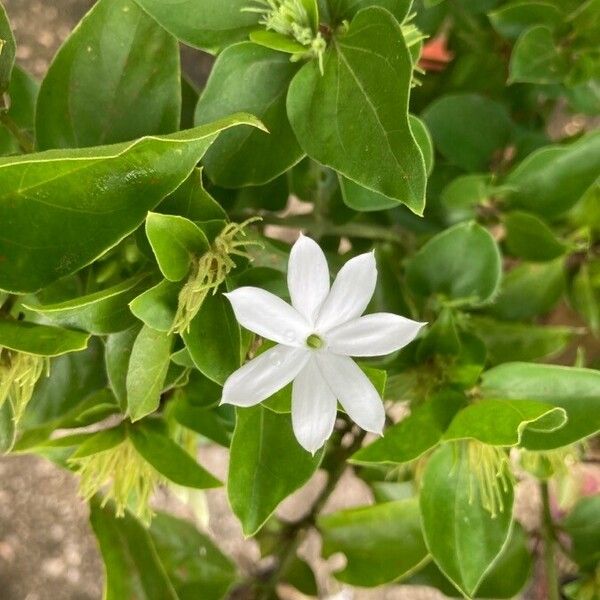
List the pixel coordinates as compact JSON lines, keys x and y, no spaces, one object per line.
{"x":417,"y":129}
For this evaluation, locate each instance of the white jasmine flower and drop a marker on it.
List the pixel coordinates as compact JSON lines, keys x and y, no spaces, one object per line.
{"x":316,"y":336}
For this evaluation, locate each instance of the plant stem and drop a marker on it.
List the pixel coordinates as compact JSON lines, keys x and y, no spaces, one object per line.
{"x":293,"y":534}
{"x":23,"y":139}
{"x":549,"y":536}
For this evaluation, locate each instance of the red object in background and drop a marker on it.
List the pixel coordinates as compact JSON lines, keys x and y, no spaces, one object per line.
{"x":435,"y":55}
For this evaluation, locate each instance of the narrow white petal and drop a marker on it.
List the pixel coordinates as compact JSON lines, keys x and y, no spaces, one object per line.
{"x":350,"y":293}
{"x":314,"y":408}
{"x":372,"y":335}
{"x":269,"y":316}
{"x":307,"y":277}
{"x":353,"y":389}
{"x":264,"y":375}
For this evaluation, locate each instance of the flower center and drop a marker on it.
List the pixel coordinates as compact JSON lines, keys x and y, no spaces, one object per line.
{"x":314,"y":341}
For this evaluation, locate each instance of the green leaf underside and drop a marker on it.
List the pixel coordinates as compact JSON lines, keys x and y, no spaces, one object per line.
{"x":463,"y":538}
{"x":503,"y":422}
{"x":382,"y":543}
{"x":575,"y":390}
{"x":87,"y":200}
{"x":97,"y":93}
{"x":266,"y":465}
{"x":362,"y":70}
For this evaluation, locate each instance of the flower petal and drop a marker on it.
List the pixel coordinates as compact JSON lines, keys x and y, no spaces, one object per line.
{"x":314,"y":408}
{"x":353,"y":389}
{"x":269,"y":316}
{"x":350,"y":293}
{"x":308,"y":277}
{"x":372,"y":335}
{"x":264,"y":375}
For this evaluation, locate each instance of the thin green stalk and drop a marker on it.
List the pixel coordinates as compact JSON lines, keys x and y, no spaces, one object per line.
{"x":549,"y":537}
{"x":25,"y":142}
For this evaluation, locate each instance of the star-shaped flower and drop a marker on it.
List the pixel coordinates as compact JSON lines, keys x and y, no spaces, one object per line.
{"x":316,"y":336}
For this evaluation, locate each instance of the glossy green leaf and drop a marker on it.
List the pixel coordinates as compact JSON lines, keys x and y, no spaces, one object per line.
{"x":347,"y":9}
{"x":101,"y":441}
{"x":207,"y":24}
{"x":462,"y":536}
{"x":462,"y":196}
{"x":266,"y":465}
{"x":381,"y":543}
{"x":157,"y":306}
{"x":214,"y":339}
{"x":175,"y":242}
{"x":529,"y":290}
{"x":102,"y":312}
{"x":211,"y":422}
{"x":99,"y":93}
{"x":169,"y":458}
{"x":506,"y":341}
{"x":117,"y":350}
{"x":537,"y":58}
{"x":528,"y":237}
{"x":513,"y":18}
{"x":147,"y":371}
{"x":195,"y":565}
{"x":277,"y":41}
{"x":89,"y":199}
{"x":8,"y":48}
{"x":575,"y":390}
{"x":250,"y":78}
{"x":462,"y":262}
{"x":414,"y":435}
{"x":366,"y":66}
{"x":41,"y":340}
{"x":467,"y":129}
{"x":503,"y":422}
{"x":131,"y":562}
{"x":583,"y":527}
{"x":552,"y":179}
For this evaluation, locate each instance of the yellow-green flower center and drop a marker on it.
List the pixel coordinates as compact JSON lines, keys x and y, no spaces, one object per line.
{"x":314,"y":341}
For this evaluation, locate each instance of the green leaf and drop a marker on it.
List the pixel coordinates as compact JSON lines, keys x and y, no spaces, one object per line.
{"x":147,"y":371}
{"x":41,"y":340}
{"x":157,"y":306}
{"x":132,"y":565}
{"x":101,"y":441}
{"x":74,"y":378}
{"x":365,"y":67}
{"x":250,"y":78}
{"x":102,"y":312}
{"x":552,"y":179}
{"x":463,"y":537}
{"x":467,"y":129}
{"x":528,"y":237}
{"x":462,"y":262}
{"x":506,"y":341}
{"x":8,"y":48}
{"x":23,"y":92}
{"x":207,"y":24}
{"x":461,"y":197}
{"x":583,"y":526}
{"x":536,"y":58}
{"x":266,"y":465}
{"x":301,"y":576}
{"x":211,"y":422}
{"x":89,"y":199}
{"x":503,"y":422}
{"x":347,"y":9}
{"x":117,"y":350}
{"x":529,"y":290}
{"x":192,"y":201}
{"x":414,"y":435}
{"x":175,"y":242}
{"x":514,"y":18}
{"x":575,"y":390}
{"x":585,"y":295}
{"x":214,"y":339}
{"x":169,"y":458}
{"x":7,"y":428}
{"x":196,"y":567}
{"x":381,"y":543}
{"x":277,"y":41}
{"x":101,"y":93}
